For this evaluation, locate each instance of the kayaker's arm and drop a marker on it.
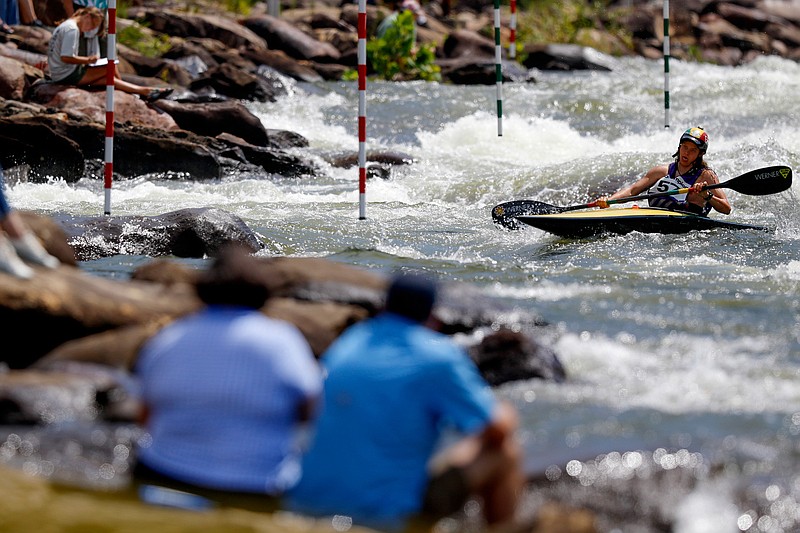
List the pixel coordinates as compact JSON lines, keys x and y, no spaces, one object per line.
{"x":637,"y":187}
{"x":716,"y":198}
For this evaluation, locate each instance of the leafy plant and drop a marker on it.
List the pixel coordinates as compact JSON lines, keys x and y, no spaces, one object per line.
{"x":395,"y":56}
{"x":147,"y":44}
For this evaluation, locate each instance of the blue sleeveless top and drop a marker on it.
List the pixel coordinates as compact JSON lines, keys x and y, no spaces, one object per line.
{"x":673,"y":181}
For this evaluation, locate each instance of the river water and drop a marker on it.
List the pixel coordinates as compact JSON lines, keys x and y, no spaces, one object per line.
{"x":674,"y":342}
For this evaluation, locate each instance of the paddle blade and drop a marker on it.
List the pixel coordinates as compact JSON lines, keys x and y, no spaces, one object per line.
{"x":505,"y":214}
{"x":761,"y":182}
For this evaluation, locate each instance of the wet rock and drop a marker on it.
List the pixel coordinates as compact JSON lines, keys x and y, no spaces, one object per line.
{"x":195,"y":232}
{"x":46,"y":152}
{"x":481,"y":71}
{"x":233,"y":82}
{"x":566,"y":57}
{"x":270,"y":159}
{"x":62,"y":394}
{"x":508,"y":355}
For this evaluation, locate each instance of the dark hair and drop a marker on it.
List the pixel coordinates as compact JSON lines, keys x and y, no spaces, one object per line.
{"x":412,"y":296}
{"x":235,"y":278}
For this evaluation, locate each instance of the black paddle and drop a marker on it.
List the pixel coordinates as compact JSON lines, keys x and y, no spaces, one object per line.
{"x":761,"y":182}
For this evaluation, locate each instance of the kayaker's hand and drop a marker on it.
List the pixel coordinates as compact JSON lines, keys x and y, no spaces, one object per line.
{"x":697,"y":188}
{"x":702,"y":196}
{"x":602,"y":202}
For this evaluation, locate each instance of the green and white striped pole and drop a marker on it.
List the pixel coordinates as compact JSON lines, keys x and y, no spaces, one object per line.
{"x":666,"y":63}
{"x":498,"y":60}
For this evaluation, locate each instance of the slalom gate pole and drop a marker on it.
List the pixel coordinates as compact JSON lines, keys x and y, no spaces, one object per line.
{"x":498,"y":58}
{"x":666,"y":63}
{"x":362,"y":109}
{"x":512,"y":46}
{"x":108,"y":171}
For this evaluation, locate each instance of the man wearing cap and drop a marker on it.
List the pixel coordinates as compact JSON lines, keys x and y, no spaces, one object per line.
{"x":393,"y":389}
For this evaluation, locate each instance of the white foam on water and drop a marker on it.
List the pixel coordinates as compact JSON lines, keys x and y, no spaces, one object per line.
{"x":304,"y":113}
{"x":680,"y":373}
{"x":525,"y":141}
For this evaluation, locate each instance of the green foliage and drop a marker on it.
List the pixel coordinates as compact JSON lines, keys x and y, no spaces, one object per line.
{"x":350,"y":74}
{"x":240,"y":7}
{"x":145,"y":43}
{"x":560,"y":21}
{"x":394,"y":55}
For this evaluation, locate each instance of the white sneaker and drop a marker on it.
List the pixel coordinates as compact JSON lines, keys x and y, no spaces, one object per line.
{"x":30,"y":249}
{"x":11,"y":263}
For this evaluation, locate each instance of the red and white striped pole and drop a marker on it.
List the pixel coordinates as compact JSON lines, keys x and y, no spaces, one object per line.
{"x":110,"y":74}
{"x":362,"y":109}
{"x":512,"y":45}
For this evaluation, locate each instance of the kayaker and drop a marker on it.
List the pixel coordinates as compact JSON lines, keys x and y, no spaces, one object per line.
{"x":688,"y":171}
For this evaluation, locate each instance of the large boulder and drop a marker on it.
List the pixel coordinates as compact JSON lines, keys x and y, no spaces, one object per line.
{"x":140,"y":150}
{"x":177,"y":24}
{"x":466,"y":43}
{"x":467,"y":70}
{"x":190,"y":232}
{"x":282,"y":35}
{"x":214,"y":118}
{"x":63,"y":304}
{"x":567,"y":57}
{"x":92,"y":105}
{"x":45,"y":151}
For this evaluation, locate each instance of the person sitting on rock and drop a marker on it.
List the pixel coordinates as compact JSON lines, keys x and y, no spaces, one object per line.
{"x":20,"y":244}
{"x":225,"y":391}
{"x":69,"y":68}
{"x":393,"y":389}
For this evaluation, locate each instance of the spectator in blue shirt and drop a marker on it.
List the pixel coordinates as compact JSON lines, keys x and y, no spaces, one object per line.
{"x":393,"y":389}
{"x":226,"y":390}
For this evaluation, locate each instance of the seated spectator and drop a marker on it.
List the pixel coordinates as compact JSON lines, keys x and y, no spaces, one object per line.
{"x":20,"y":244}
{"x":224,"y":392}
{"x":69,"y":68}
{"x":92,"y":42}
{"x":393,"y":389}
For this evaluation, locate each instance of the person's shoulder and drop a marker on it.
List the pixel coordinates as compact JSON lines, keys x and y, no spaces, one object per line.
{"x":659,"y":169}
{"x":708,"y":172}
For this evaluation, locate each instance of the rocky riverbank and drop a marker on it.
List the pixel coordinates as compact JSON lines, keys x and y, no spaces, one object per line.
{"x":217,"y":62}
